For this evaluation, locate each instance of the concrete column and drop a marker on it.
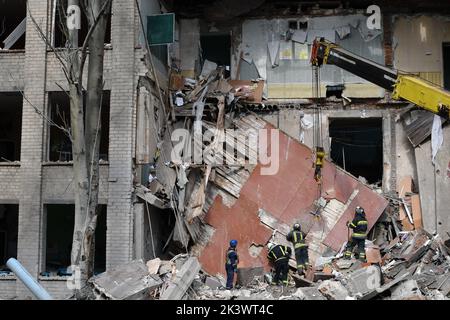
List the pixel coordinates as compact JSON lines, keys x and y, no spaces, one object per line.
{"x":389,"y":153}
{"x":139,"y":230}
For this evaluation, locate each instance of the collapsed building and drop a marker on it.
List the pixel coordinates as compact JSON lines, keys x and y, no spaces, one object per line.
{"x":240,"y":69}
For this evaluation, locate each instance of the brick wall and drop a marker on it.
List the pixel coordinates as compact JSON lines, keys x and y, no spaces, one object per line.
{"x":34,"y":182}
{"x":7,"y":289}
{"x":9,"y":183}
{"x":30,"y":206}
{"x":119,"y":224}
{"x":57,"y":184}
{"x":56,"y":288}
{"x":11,"y":76}
{"x":56,"y":78}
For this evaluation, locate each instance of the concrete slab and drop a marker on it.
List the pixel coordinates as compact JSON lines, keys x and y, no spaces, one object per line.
{"x":213,"y":283}
{"x":246,"y":275}
{"x":406,"y":290}
{"x":185,"y":276}
{"x":130,"y":281}
{"x":301,"y":281}
{"x":364,"y":281}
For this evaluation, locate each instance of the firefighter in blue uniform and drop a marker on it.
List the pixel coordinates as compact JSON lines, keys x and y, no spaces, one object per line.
{"x":232,"y":260}
{"x":297,"y":237}
{"x":279,"y":255}
{"x":359,"y":226}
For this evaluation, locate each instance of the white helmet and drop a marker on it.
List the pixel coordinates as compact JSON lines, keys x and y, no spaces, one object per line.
{"x":270,"y":245}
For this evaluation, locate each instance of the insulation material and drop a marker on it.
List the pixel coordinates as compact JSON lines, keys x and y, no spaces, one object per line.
{"x":286,"y":50}
{"x":288,"y":195}
{"x":292,"y":77}
{"x":343,"y":31}
{"x":273,"y":47}
{"x":299,"y":36}
{"x":437,"y":138}
{"x":301,"y":51}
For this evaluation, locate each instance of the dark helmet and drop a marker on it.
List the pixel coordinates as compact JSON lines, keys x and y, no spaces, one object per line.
{"x":233,"y":243}
{"x":296,"y":226}
{"x":359,"y":210}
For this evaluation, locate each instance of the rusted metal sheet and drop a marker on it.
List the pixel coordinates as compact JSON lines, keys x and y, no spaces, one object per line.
{"x":288,"y":196}
{"x":373,"y":205}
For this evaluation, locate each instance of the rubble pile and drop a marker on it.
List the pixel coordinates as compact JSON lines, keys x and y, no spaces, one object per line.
{"x":414,"y":266}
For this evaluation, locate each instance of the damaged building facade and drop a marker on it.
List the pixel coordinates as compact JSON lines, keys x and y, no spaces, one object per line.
{"x":235,"y":65}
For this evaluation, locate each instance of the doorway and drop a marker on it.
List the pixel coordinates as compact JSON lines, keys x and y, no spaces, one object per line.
{"x":357,"y":147}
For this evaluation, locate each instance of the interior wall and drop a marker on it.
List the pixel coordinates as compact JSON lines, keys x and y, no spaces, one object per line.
{"x":425,"y":34}
{"x":289,"y":75}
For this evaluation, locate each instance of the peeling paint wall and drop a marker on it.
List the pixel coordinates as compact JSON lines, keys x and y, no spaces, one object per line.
{"x":289,"y":74}
{"x":425,"y":34}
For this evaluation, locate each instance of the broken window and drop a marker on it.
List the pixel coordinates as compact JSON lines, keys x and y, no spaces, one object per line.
{"x":60,"y":146}
{"x":217,"y":48}
{"x":60,"y":220}
{"x":446,"y":59}
{"x":357,"y":147}
{"x":59,"y":25}
{"x":12,"y":24}
{"x":10,"y":126}
{"x":9,"y":222}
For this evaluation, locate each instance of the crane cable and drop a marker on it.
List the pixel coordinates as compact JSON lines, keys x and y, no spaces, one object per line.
{"x":317,"y":140}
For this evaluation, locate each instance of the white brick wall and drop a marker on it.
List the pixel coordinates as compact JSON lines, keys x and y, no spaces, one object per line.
{"x":57,"y":183}
{"x":9,"y":183}
{"x":56,"y":78}
{"x":11,"y":76}
{"x":56,"y":288}
{"x":30,"y":206}
{"x":7,"y":289}
{"x":119,"y":224}
{"x":34,"y":183}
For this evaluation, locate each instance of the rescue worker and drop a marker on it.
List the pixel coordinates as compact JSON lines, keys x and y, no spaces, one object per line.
{"x":279,"y":255}
{"x":232,"y":260}
{"x":359,"y":226}
{"x":297,"y":237}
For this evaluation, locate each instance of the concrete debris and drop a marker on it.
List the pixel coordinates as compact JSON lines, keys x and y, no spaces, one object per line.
{"x":333,"y":290}
{"x":247,"y":275}
{"x":130,"y":281}
{"x":153,"y":265}
{"x":213,"y":283}
{"x":309,"y":294}
{"x":344,"y":264}
{"x":407,"y":290}
{"x":183,"y":279}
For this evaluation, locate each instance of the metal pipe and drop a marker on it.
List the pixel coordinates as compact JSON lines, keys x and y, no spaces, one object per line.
{"x":27,"y":279}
